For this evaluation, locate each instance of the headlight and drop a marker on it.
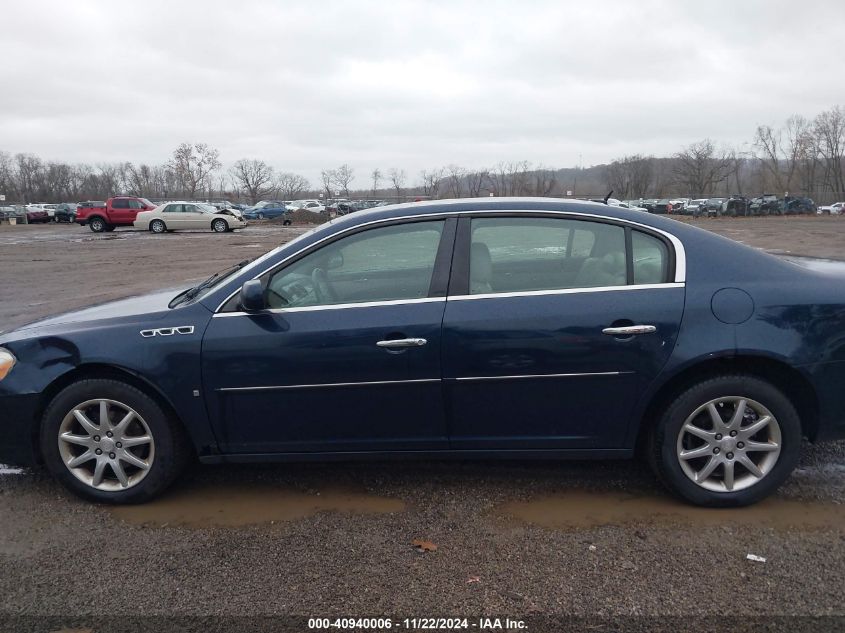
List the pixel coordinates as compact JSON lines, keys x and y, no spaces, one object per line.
{"x":7,"y":361}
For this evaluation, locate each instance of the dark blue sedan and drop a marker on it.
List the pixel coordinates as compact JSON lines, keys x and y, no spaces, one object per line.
{"x":269,"y":211}
{"x":494,"y":328}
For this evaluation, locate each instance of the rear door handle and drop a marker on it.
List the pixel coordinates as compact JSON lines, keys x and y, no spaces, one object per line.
{"x":629,"y":330}
{"x":403,"y":342}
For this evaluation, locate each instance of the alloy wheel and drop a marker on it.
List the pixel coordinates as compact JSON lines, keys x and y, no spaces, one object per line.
{"x":729,"y":444}
{"x":106,"y":444}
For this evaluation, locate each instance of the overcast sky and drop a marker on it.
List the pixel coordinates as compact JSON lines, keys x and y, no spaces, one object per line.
{"x":314,"y":84}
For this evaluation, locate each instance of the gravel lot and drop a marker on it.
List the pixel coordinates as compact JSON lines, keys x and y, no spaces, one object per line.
{"x":514,"y":539}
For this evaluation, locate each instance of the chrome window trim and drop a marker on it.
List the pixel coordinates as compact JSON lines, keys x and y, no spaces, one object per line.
{"x":563,"y":291}
{"x":328,"y":384}
{"x":334,"y":306}
{"x":680,"y":253}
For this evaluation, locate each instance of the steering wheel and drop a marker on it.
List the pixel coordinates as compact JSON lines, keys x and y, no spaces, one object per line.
{"x":322,"y":287}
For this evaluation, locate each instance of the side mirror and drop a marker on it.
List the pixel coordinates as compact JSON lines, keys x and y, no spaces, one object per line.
{"x":252,"y":296}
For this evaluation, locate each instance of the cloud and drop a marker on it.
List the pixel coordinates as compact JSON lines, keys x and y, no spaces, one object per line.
{"x":310,"y":85}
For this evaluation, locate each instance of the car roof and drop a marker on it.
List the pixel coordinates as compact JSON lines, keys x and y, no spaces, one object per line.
{"x":511,"y":204}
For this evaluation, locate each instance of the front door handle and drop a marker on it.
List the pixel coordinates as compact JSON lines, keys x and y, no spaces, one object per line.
{"x":403,"y":342}
{"x":629,"y":330}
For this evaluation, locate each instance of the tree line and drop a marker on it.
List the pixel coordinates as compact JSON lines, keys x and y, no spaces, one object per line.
{"x":802,"y":156}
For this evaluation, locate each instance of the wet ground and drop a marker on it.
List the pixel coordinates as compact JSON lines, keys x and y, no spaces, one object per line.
{"x":522,"y":538}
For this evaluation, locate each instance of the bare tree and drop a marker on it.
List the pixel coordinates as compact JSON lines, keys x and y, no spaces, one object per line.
{"x":343,"y":177}
{"x":7,"y":177}
{"x":631,"y":176}
{"x":700,"y":167}
{"x":376,"y":176}
{"x":193,"y":166}
{"x":829,"y":129}
{"x":27,"y":175}
{"x":431,"y":181}
{"x":456,"y":178}
{"x":327,"y":176}
{"x":397,"y":180}
{"x":545,"y":181}
{"x":475,"y":182}
{"x":255,"y":176}
{"x":290,"y":186}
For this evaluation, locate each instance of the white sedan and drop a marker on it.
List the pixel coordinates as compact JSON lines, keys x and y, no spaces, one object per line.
{"x":837,"y":208}
{"x":174,"y":216}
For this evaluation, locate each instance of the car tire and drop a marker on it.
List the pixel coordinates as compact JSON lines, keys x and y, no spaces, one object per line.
{"x":97,"y":224}
{"x":164,"y":456}
{"x":260,"y":216}
{"x":158,"y":227}
{"x":219,"y":226}
{"x":681,"y":459}
{"x":287,"y":223}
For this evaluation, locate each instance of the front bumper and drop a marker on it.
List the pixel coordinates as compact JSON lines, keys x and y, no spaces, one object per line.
{"x":18,"y":431}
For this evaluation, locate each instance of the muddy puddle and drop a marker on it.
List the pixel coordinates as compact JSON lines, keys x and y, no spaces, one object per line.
{"x":235,"y":506}
{"x":580,"y":510}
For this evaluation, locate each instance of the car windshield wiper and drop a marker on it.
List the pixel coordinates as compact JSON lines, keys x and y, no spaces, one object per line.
{"x":215,"y":278}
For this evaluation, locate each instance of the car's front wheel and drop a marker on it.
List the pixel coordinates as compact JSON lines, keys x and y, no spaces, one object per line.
{"x":219,"y":226}
{"x":109,"y":442}
{"x":98,"y":225}
{"x":157,"y":226}
{"x":727,"y":441}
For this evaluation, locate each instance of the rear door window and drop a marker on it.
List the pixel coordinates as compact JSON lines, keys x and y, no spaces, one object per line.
{"x":532,"y":253}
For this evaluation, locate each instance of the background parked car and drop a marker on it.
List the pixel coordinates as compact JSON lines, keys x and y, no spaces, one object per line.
{"x":693,"y":207}
{"x":832,"y":209}
{"x":66,"y":212}
{"x":662,"y":206}
{"x":797,"y":206}
{"x":736,"y":205}
{"x":116,"y":211}
{"x":648,"y":204}
{"x":712,"y":207}
{"x":764,"y":205}
{"x":174,"y":216}
{"x":268,"y":211}
{"x":36,"y":214}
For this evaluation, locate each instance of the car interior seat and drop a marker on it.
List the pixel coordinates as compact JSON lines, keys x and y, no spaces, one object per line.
{"x":480,"y":269}
{"x":608,"y":270}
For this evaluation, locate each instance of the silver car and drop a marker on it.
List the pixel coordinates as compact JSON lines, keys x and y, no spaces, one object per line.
{"x":174,"y":216}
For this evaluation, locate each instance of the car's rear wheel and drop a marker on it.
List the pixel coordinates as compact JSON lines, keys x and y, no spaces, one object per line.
{"x":107,"y":441}
{"x":219,"y":226}
{"x":97,"y":224}
{"x":727,"y":441}
{"x":157,"y":226}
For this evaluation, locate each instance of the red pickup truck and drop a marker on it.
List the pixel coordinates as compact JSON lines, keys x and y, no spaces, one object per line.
{"x":117,"y":211}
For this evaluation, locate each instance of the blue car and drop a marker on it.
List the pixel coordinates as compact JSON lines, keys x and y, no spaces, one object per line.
{"x":486,"y":328}
{"x":267,"y":212}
